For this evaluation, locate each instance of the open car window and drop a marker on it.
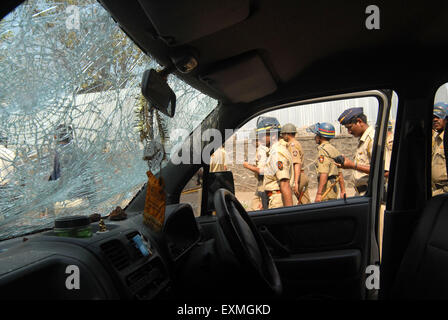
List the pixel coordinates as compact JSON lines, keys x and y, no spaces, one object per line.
{"x":69,"y":114}
{"x":246,"y":151}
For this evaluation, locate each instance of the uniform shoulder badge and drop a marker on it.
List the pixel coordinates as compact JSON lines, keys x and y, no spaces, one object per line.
{"x":294,"y":153}
{"x":321,"y":159}
{"x":280,"y":165}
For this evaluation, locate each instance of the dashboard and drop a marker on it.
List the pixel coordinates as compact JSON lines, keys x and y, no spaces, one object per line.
{"x":128,"y":261}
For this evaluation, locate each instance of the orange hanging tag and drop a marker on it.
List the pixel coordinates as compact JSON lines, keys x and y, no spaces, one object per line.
{"x":154,"y":212}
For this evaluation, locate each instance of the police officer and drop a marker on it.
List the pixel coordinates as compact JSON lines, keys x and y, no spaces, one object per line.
{"x":218,"y":160}
{"x":327,"y":172}
{"x":300,"y":186}
{"x":439,"y":179}
{"x":259,"y":200}
{"x":388,"y":149}
{"x":389,"y":137}
{"x":278,"y":171}
{"x":356,"y":123}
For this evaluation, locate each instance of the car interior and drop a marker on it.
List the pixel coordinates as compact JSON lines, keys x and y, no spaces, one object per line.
{"x":255,"y":56}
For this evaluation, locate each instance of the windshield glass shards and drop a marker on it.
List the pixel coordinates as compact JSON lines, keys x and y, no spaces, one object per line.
{"x":69,"y":114}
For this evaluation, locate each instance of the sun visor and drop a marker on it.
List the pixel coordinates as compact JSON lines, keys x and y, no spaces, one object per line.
{"x":190,"y":22}
{"x":242,"y":80}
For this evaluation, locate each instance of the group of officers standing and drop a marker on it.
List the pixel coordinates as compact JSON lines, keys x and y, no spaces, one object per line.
{"x":279,"y":161}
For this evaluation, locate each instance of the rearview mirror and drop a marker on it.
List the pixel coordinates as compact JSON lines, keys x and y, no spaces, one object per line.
{"x":157,"y":91}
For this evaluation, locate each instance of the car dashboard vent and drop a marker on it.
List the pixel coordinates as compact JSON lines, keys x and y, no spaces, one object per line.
{"x":116,"y":253}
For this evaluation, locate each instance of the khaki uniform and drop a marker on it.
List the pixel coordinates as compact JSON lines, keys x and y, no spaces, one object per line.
{"x":388,"y":151}
{"x":278,"y":166}
{"x":296,"y":150}
{"x":363,"y":157}
{"x":439,"y":179}
{"x":261,"y":156}
{"x":326,"y":152}
{"x":390,"y":141}
{"x":218,"y":160}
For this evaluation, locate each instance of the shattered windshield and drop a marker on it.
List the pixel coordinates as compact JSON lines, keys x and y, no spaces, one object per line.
{"x":71,"y":114}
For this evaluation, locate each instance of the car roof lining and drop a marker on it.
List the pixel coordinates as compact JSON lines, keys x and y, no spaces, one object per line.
{"x":212,"y":16}
{"x":294,"y":40}
{"x":241,"y":79}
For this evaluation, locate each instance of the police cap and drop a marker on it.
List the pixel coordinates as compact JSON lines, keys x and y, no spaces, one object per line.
{"x":288,"y":128}
{"x":349,"y":114}
{"x":265,"y":124}
{"x":439,"y":111}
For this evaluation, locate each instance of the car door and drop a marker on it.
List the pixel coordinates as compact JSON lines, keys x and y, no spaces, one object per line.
{"x":324,"y":249}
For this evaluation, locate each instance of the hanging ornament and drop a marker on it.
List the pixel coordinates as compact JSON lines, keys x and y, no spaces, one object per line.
{"x":155,"y":203}
{"x":153,"y":154}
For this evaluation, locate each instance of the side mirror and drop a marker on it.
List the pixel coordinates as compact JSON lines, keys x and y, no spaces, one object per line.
{"x":157,"y":91}
{"x":215,"y":181}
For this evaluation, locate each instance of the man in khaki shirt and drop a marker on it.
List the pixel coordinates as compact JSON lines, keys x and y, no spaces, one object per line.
{"x":356,"y":123}
{"x":439,"y":179}
{"x":389,"y":145}
{"x":300,"y":186}
{"x":218,"y":161}
{"x":259,"y":200}
{"x":278,"y":171}
{"x":328,"y":174}
{"x":278,"y":175}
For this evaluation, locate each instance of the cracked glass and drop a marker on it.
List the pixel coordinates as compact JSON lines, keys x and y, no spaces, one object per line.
{"x":69,"y":91}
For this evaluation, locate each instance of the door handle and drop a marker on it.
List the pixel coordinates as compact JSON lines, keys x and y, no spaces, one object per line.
{"x":278,"y":249}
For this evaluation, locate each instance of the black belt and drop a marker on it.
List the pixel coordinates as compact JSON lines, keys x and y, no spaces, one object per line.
{"x":361,"y":189}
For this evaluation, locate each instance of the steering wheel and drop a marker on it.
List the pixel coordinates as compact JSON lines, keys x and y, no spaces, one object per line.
{"x":245,"y":240}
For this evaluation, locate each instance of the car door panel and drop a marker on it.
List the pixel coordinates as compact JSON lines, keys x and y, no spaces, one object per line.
{"x":328,"y":226}
{"x":319,"y":249}
{"x":320,"y":266}
{"x":324,"y":275}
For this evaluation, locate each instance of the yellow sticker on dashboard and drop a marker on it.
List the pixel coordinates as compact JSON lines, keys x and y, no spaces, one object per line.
{"x":154,"y":211}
